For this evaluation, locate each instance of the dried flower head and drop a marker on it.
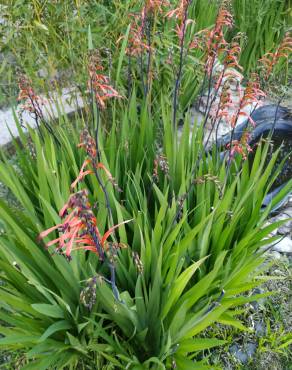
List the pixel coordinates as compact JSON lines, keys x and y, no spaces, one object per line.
{"x":138,"y":262}
{"x":88,"y":294}
{"x":160,"y":162}
{"x":211,"y":178}
{"x":31,"y":102}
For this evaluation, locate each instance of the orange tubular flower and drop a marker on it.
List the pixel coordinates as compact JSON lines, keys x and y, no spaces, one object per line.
{"x":240,"y":147}
{"x":31,"y":101}
{"x":213,"y":40}
{"x":82,"y":173}
{"x":99,"y":83}
{"x":269,"y":60}
{"x":179,"y":12}
{"x":231,"y":59}
{"x":88,"y":143}
{"x":137,"y":43}
{"x":252,"y":95}
{"x":79,"y":228}
{"x":155,"y":6}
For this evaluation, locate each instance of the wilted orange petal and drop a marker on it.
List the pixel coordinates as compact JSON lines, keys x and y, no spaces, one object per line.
{"x":44,"y":233}
{"x":52,"y":242}
{"x":63,"y":210}
{"x":70,"y":244}
{"x":87,"y":248}
{"x":80,"y":178}
{"x":111,"y":230}
{"x":102,"y":166}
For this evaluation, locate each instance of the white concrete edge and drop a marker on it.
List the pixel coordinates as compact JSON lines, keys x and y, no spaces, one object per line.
{"x":66,"y":102}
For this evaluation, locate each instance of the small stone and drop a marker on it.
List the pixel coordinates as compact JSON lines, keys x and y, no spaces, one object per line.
{"x":285,"y":229}
{"x":279,"y":272}
{"x":233,"y":349}
{"x":238,"y":354}
{"x":280,"y":217}
{"x":43,"y":73}
{"x":283,"y":246}
{"x":256,"y":305}
{"x":288,"y":211}
{"x":251,"y":348}
{"x":258,"y":291}
{"x":260,"y":329}
{"x":275,"y":255}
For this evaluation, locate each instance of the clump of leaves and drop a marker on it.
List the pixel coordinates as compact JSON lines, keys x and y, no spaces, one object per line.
{"x":193,"y":246}
{"x":177,"y":276}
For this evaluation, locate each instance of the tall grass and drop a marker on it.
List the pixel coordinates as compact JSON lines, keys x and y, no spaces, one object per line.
{"x":264,"y":23}
{"x":49,"y":41}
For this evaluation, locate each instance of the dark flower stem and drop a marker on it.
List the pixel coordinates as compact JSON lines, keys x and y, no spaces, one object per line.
{"x":275,"y":118}
{"x":104,"y":190}
{"x":210,"y":102}
{"x":181,"y":58}
{"x":98,"y":160}
{"x":209,"y":91}
{"x":40,"y":117}
{"x":129,"y":76}
{"x":141,"y":58}
{"x":148,"y":34}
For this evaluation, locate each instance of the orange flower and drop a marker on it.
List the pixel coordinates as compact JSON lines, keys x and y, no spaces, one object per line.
{"x":83,"y":173}
{"x":178,"y":12}
{"x":88,"y":143}
{"x":31,"y":101}
{"x":155,"y":6}
{"x":99,"y":83}
{"x":252,"y":96}
{"x":136,"y":43}
{"x":269,"y":60}
{"x":79,"y":228}
{"x":213,"y":40}
{"x":239,"y":147}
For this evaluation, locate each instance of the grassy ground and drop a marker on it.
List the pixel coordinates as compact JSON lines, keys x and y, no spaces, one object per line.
{"x":268,"y":345}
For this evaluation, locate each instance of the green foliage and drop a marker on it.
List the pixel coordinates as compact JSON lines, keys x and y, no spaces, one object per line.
{"x":187,"y":261}
{"x":264,"y":23}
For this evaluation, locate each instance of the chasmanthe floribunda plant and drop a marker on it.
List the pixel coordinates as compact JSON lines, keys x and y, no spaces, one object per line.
{"x":139,"y":294}
{"x":178,"y":273}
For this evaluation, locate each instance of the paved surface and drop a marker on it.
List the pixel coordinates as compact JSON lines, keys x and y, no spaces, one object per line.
{"x":66,"y":102}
